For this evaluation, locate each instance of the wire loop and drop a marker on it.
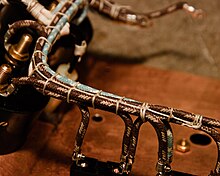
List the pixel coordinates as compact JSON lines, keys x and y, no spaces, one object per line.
{"x":47,"y":81}
{"x":56,"y":28}
{"x":144,"y":108}
{"x":171,"y":115}
{"x":69,"y":91}
{"x":94,"y":97}
{"x":63,"y":15}
{"x":117,"y":104}
{"x":44,"y":39}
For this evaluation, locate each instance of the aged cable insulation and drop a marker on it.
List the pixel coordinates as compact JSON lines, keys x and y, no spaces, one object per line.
{"x":59,"y":87}
{"x":124,"y":14}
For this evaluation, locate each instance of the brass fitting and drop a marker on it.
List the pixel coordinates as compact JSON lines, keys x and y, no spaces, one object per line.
{"x":5,"y":74}
{"x":183,"y":146}
{"x":19,"y":52}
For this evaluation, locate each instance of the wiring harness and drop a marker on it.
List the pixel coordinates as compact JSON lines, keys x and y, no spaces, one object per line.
{"x":50,"y":26}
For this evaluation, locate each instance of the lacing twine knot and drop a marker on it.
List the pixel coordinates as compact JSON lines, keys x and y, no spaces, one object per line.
{"x":197,"y":123}
{"x":117,"y":104}
{"x":143,"y":110}
{"x":94,"y":97}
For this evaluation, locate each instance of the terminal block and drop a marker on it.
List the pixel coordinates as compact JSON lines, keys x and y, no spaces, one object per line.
{"x":93,"y":167}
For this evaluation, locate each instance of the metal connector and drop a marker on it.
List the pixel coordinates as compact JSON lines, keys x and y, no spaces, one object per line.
{"x":18,"y":53}
{"x":6,"y":88}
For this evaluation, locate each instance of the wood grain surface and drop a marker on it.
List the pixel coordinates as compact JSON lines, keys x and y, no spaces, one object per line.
{"x":48,"y":151}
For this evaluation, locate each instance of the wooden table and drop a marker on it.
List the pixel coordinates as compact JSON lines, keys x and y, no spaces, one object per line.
{"x":47,"y":152}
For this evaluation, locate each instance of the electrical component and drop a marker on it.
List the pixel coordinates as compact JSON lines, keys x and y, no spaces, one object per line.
{"x":18,"y":53}
{"x":20,"y":106}
{"x":92,"y":167}
{"x":37,"y":79}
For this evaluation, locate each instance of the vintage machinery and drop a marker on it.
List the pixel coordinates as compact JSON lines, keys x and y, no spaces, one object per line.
{"x":45,"y":35}
{"x":16,"y":54}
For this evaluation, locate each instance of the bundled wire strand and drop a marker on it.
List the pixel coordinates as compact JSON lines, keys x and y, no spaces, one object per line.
{"x":126,"y":15}
{"x":49,"y":83}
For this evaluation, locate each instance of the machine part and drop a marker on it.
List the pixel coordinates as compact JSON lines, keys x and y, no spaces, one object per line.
{"x":63,"y":70}
{"x":163,"y":169}
{"x":20,"y":106}
{"x":18,"y":111}
{"x":5,"y":75}
{"x":182,"y":146}
{"x":48,"y":82}
{"x":14,"y":129}
{"x":93,"y":167}
{"x":19,"y":53}
{"x":72,"y":91}
{"x":81,"y":132}
{"x":125,"y":14}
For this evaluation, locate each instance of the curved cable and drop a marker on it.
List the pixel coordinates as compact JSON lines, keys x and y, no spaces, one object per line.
{"x":60,"y":86}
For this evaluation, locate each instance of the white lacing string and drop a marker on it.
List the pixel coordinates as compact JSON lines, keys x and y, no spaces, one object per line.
{"x":171,"y":115}
{"x":44,"y":39}
{"x":69,"y":91}
{"x":47,"y":81}
{"x":39,"y":51}
{"x":196,"y":123}
{"x":117,"y":104}
{"x":57,"y":14}
{"x":143,"y":110}
{"x":39,"y":64}
{"x":63,"y":15}
{"x":56,"y":28}
{"x":65,"y":29}
{"x":94,"y":97}
{"x":36,"y":67}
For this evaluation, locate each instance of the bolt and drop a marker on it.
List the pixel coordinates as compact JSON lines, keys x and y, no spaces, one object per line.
{"x":183,"y":146}
{"x":19,"y":52}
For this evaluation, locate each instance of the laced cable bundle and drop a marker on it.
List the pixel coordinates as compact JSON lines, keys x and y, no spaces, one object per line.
{"x":49,"y":83}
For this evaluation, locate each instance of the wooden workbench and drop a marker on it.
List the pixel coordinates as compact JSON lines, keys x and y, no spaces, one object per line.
{"x":47,"y":152}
